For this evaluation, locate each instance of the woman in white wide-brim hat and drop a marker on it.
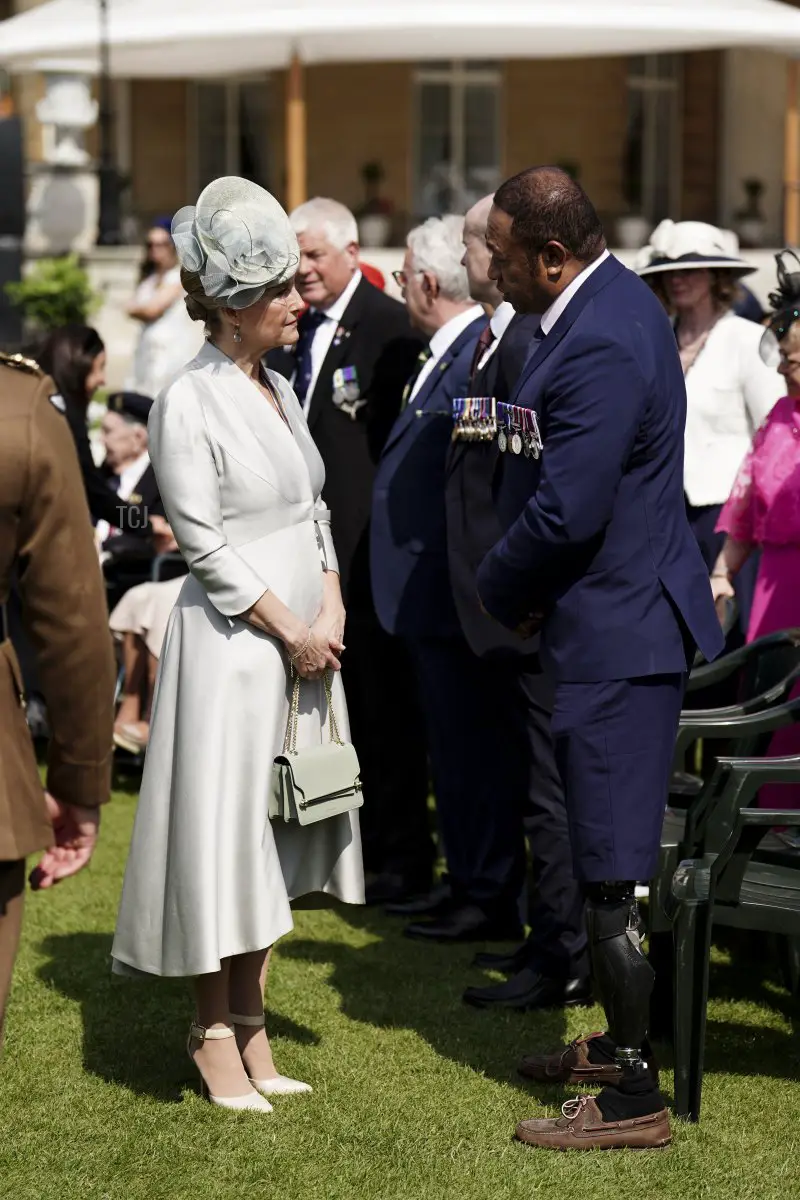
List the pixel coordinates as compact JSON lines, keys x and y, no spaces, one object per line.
{"x":695,"y":269}
{"x":210,"y":878}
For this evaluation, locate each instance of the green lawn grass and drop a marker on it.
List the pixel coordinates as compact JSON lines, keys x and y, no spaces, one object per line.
{"x":415,"y":1095}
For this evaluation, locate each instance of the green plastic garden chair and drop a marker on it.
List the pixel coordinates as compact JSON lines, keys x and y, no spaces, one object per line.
{"x":736,"y":882}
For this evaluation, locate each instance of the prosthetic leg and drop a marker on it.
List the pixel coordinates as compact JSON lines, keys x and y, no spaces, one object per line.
{"x":630,"y":1110}
{"x":624,"y":982}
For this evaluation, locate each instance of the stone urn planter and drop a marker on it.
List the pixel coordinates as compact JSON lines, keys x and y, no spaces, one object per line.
{"x":632,"y":232}
{"x":749,"y":222}
{"x":374,"y":230}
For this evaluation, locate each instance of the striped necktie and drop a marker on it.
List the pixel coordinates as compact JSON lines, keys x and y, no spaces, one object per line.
{"x":423,"y":357}
{"x":308,"y":326}
{"x":483,"y":343}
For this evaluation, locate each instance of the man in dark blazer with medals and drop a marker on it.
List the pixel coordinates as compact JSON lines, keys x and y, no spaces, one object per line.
{"x":552,"y":968}
{"x":355,"y":351}
{"x":598,"y":554}
{"x":414,"y":599}
{"x":46,"y":543}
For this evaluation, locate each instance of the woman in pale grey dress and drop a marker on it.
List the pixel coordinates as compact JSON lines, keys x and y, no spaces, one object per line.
{"x":209,"y":878}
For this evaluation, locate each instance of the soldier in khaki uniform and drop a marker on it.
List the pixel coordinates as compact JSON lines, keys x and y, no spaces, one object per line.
{"x":46,"y":534}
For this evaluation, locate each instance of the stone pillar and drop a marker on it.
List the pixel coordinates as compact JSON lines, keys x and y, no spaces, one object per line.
{"x":62,"y":202}
{"x":754,"y":111}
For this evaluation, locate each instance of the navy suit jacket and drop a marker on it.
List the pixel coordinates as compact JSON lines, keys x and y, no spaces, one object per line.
{"x":597,"y":536}
{"x":408,"y":534}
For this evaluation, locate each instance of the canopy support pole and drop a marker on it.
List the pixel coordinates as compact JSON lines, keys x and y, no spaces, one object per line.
{"x":108,"y":221}
{"x":296,"y":185}
{"x":791,"y":158}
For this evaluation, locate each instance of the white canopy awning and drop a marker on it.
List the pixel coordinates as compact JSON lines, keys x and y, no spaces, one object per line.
{"x":199,"y":38}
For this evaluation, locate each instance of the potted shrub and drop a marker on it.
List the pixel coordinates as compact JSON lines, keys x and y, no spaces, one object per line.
{"x":750,"y":224}
{"x":375,"y":215}
{"x":55,"y":292}
{"x":632,"y":227}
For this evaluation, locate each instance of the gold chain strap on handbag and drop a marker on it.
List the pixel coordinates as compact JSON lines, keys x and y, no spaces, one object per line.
{"x":290,"y":741}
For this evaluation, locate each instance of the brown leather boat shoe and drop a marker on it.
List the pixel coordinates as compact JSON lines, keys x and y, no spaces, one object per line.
{"x":571,"y":1064}
{"x":581,"y":1127}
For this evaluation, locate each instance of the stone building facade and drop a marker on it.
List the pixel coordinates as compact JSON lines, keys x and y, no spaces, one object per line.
{"x":654,"y":135}
{"x":651,"y":136}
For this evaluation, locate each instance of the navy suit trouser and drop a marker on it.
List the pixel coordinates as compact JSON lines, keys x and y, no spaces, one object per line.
{"x":557,"y":940}
{"x":615,"y":743}
{"x":496,"y":781}
{"x":480,"y":818}
{"x":388,"y":732}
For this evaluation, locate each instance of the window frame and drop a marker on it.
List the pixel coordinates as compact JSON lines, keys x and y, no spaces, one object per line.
{"x":455,"y":74}
{"x":653,"y":83}
{"x":233,"y":88}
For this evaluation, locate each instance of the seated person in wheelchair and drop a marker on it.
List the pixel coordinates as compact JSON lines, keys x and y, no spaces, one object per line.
{"x":125,"y":557}
{"x":139,"y":623}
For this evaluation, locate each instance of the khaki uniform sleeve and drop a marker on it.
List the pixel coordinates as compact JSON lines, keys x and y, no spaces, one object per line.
{"x":65,"y":612}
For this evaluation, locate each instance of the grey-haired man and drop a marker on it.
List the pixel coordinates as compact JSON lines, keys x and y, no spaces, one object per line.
{"x":355,"y":352}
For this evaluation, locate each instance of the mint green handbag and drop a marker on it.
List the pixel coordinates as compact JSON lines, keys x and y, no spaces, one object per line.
{"x":316,"y":782}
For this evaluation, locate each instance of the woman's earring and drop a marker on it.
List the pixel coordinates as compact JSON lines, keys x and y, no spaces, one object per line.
{"x":237,"y":332}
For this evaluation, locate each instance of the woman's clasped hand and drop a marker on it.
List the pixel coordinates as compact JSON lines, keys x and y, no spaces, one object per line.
{"x":325,"y":636}
{"x":316,"y":652}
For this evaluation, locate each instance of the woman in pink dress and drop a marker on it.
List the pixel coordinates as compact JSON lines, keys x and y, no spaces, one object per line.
{"x":763,"y":511}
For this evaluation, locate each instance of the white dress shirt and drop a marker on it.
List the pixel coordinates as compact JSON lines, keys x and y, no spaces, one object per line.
{"x":325,"y":333}
{"x":128,"y":480}
{"x":555,"y":310}
{"x":441,"y":342}
{"x":729,"y":393}
{"x":501,"y":319}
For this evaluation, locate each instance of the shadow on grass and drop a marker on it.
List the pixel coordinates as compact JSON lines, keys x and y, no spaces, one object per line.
{"x":748,"y":977}
{"x":397,"y":983}
{"x":756,"y":1049}
{"x":134,"y":1031}
{"x":744,"y":966}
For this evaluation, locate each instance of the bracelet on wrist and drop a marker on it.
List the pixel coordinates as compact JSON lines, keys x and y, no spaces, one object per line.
{"x":298,"y":653}
{"x":721,"y":575}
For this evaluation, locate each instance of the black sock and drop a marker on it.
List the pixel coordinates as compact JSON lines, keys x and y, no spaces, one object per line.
{"x":635,"y":1081}
{"x":618,"y":1105}
{"x":601,"y":1049}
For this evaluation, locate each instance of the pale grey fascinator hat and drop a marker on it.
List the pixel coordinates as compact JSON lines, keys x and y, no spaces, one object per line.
{"x":238,"y":241}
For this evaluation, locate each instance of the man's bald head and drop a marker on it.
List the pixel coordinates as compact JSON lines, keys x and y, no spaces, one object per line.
{"x":478,"y":216}
{"x":477,"y":257}
{"x":542,"y":231}
{"x":547,"y":205}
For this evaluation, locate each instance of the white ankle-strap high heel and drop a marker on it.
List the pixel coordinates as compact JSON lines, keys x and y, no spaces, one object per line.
{"x":252,"y":1102}
{"x":281,"y":1085}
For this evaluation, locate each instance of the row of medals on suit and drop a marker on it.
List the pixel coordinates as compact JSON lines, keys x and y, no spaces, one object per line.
{"x":482,"y":419}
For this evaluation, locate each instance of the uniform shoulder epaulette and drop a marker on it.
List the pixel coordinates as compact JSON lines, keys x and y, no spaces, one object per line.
{"x":20,"y":363}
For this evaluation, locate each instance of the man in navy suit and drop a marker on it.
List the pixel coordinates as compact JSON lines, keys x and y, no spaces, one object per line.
{"x":599,"y":555}
{"x":413,"y":597}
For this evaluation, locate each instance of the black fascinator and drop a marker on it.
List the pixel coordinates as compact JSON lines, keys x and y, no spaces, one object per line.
{"x":785,"y":305}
